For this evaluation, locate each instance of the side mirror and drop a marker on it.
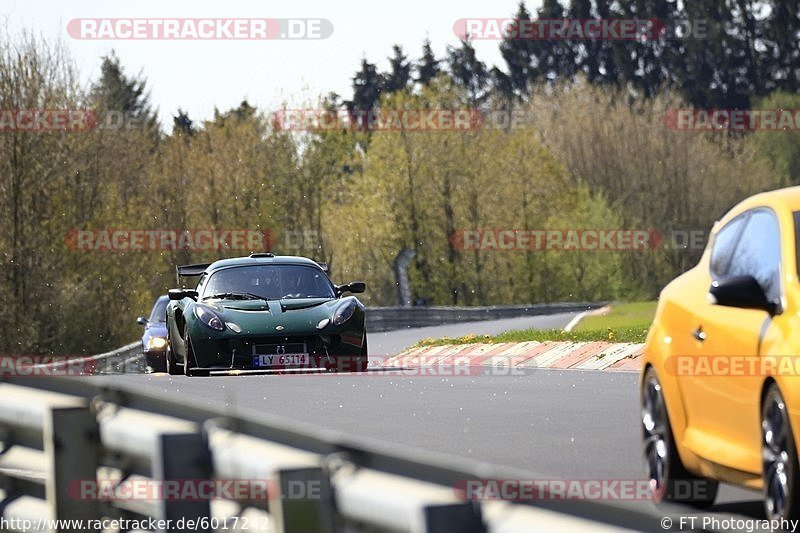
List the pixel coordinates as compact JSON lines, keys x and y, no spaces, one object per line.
{"x":354,"y":287}
{"x":740,"y":291}
{"x":357,"y":286}
{"x":180,"y":294}
{"x":142,"y":321}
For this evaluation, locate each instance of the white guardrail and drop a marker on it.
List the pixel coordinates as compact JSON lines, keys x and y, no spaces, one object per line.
{"x":73,"y":448}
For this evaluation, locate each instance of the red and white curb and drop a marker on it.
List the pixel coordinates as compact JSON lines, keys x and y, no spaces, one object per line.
{"x":624,"y":356}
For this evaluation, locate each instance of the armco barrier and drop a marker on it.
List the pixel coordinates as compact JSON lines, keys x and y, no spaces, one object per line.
{"x":391,"y":318}
{"x":123,"y":360}
{"x":57,"y":431}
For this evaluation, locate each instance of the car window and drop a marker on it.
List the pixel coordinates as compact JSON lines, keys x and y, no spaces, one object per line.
{"x":159,"y":312}
{"x":724,"y":244}
{"x":758,"y":252}
{"x":271,"y":282}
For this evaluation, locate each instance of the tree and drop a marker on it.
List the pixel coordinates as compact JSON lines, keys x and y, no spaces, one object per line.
{"x":781,"y":55}
{"x":428,"y":66}
{"x":554,"y":56}
{"x":116,"y":92}
{"x":468,"y":72}
{"x":399,"y":74}
{"x":182,"y":124}
{"x":367,"y":88}
{"x":519,"y":57}
{"x":712,"y":72}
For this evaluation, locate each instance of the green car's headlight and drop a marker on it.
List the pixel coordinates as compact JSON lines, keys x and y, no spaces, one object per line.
{"x":344,"y":312}
{"x":208,"y":317}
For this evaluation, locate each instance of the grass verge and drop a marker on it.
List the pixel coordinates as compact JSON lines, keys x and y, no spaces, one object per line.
{"x":631,"y":315}
{"x":625,"y":322}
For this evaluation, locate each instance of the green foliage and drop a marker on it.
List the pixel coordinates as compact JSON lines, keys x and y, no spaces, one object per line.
{"x":629,"y":315}
{"x":780,"y":149}
{"x":585,"y":157}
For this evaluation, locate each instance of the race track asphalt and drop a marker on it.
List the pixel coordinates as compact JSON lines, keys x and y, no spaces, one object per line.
{"x":568,"y":424}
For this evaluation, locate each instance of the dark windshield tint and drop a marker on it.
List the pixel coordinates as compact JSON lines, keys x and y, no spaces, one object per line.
{"x":271,"y":282}
{"x":159,"y":312}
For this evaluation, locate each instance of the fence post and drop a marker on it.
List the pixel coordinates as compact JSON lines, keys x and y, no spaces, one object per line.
{"x":305,"y":502}
{"x":71,"y":447}
{"x":183,"y":458}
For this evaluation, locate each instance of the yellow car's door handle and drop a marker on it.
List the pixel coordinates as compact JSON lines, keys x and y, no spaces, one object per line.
{"x":699,"y":334}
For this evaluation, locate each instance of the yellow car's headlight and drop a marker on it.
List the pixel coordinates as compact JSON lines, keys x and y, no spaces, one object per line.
{"x":156,"y":343}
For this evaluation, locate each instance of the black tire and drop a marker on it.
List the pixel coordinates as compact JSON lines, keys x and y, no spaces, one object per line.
{"x":669,"y":479}
{"x":363,"y":361}
{"x":779,"y":459}
{"x":172,"y":366}
{"x":189,"y":361}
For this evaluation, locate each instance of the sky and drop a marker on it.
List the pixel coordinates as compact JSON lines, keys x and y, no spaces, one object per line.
{"x":198,"y":76}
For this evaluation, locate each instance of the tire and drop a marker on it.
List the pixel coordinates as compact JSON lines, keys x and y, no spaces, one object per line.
{"x":172,"y":366}
{"x":189,"y":361}
{"x":353,"y":363}
{"x":669,"y":479}
{"x":363,"y":361}
{"x":779,"y":459}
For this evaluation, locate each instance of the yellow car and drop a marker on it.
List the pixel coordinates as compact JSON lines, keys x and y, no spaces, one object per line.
{"x":720,"y":400}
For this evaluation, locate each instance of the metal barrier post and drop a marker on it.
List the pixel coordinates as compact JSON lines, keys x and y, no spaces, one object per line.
{"x":183,"y":458}
{"x":304,"y":503}
{"x":70,"y":446}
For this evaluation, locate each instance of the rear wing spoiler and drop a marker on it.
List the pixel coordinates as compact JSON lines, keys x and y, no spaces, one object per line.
{"x":184,"y":271}
{"x":191,"y":270}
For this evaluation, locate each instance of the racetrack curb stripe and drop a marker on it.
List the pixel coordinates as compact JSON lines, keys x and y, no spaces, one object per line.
{"x":609,"y":356}
{"x":580,"y":355}
{"x":597,"y":355}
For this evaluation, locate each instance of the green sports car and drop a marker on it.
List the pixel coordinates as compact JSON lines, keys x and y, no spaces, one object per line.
{"x":264,"y":313}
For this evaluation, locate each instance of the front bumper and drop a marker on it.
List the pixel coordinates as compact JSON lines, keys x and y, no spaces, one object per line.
{"x":239,"y":353}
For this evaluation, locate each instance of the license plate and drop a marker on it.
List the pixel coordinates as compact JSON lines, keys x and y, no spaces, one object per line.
{"x":294,"y":359}
{"x":280,"y":355}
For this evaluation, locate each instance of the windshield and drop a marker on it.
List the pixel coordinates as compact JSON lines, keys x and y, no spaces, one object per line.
{"x":270,"y":282}
{"x":159,"y":312}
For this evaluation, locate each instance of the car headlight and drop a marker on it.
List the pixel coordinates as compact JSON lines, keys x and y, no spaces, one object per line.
{"x":156,"y":343}
{"x":208,"y":317}
{"x":344,"y":312}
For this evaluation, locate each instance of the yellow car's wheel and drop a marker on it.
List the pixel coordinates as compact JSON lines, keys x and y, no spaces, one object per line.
{"x":779,"y":459}
{"x":669,"y":479}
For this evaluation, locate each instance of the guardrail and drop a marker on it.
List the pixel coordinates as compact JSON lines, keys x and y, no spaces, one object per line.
{"x":127,"y":359}
{"x":60,"y":434}
{"x":391,"y":318}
